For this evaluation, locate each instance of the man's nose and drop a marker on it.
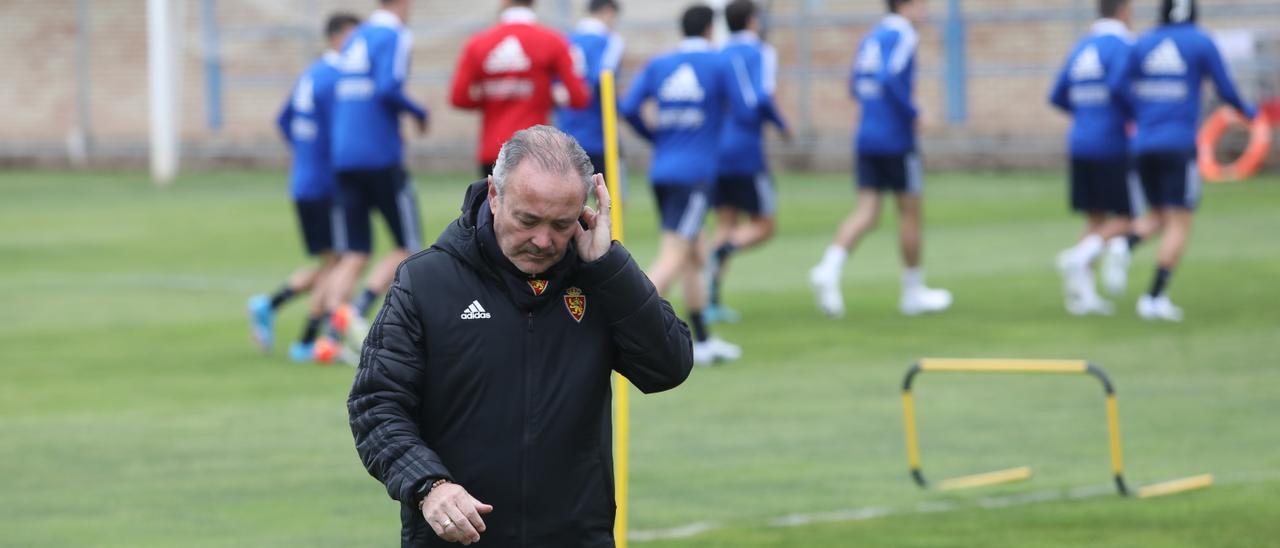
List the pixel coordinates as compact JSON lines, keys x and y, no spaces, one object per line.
{"x":541,"y":239}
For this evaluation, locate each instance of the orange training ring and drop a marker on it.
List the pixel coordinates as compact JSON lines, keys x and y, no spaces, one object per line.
{"x":1254,"y":153}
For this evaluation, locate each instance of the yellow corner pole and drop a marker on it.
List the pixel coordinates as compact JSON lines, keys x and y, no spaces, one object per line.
{"x":1004,"y":366}
{"x":622,"y":390}
{"x":913,"y":440}
{"x":990,"y":478}
{"x":1113,"y":427}
{"x":1176,"y":486}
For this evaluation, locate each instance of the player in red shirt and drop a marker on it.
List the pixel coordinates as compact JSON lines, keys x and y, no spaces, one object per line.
{"x":509,"y":73}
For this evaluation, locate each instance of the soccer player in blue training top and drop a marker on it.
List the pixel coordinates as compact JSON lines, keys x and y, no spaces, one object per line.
{"x":595,"y":48}
{"x":744,"y":184}
{"x":1102,"y":187}
{"x":691,"y":88}
{"x":305,"y":123}
{"x":1165,"y":70}
{"x":368,"y":158}
{"x":882,"y":80}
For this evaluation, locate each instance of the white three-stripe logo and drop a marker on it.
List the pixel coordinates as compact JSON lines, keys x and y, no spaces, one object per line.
{"x":475,"y":312}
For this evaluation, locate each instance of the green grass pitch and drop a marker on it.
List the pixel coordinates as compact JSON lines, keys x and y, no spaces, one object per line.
{"x":134,"y":412}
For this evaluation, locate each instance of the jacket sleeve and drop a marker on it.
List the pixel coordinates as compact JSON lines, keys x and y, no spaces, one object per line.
{"x":465,"y":77}
{"x":893,"y":78}
{"x":1059,"y":95}
{"x":389,"y":77}
{"x":1222,"y":81}
{"x":284,"y":121}
{"x":768,"y":85}
{"x":386,"y":395}
{"x":653,"y":346}
{"x":579,"y":95}
{"x":632,"y":103}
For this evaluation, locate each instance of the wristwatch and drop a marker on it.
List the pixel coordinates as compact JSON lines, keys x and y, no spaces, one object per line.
{"x":426,"y":490}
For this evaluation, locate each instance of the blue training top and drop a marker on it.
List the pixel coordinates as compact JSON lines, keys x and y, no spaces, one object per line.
{"x":594,"y":49}
{"x":306,"y":122}
{"x":1162,"y":82}
{"x":882,"y":80}
{"x":691,"y":86}
{"x":1089,"y":88}
{"x":754,"y":66}
{"x":369,"y":98}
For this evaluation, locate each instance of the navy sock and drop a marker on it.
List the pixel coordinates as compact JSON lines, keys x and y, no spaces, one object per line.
{"x":1161,"y":281}
{"x":365,"y":301}
{"x":282,"y":296}
{"x":699,"y":326}
{"x":720,"y":255}
{"x":723,"y":252}
{"x":312,"y":329}
{"x":1134,"y":239}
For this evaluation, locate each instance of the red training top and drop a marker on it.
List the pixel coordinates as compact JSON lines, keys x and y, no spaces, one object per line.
{"x":507,"y":71}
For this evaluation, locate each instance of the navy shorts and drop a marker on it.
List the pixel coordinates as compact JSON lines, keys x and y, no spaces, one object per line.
{"x":682,"y":208}
{"x":315,"y":218}
{"x":899,"y":173}
{"x":390,"y":191}
{"x":1170,"y":179}
{"x":753,"y":194}
{"x":1106,"y":185}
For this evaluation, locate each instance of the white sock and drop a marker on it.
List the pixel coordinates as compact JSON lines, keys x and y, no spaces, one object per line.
{"x":1087,"y":250}
{"x":912,"y":278}
{"x":833,"y":259}
{"x":1119,"y":245}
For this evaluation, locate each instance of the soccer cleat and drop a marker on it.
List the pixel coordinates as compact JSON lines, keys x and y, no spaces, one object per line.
{"x":357,"y":330}
{"x":715,"y":350}
{"x":1115,"y":266}
{"x":302,"y":352}
{"x":923,"y":300}
{"x":261,"y":321}
{"x":341,"y":319}
{"x":329,"y":351}
{"x":826,"y":290}
{"x":721,"y":314}
{"x":1089,"y":304}
{"x":1158,"y":308}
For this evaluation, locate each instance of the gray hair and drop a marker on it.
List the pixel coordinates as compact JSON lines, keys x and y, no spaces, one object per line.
{"x":553,"y":151}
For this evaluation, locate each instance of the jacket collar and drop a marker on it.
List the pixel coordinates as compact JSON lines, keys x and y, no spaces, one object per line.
{"x":591,"y":25}
{"x":518,"y":15}
{"x":1110,"y":27}
{"x":384,"y":18}
{"x":898,"y":23}
{"x":696,"y":43}
{"x":744,"y":37}
{"x":332,"y":58}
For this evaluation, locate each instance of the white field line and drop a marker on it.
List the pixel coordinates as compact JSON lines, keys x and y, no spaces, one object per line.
{"x":928,"y":507}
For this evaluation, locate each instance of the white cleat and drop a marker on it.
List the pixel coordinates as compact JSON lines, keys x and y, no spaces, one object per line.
{"x":1158,"y":308}
{"x":826,"y":289}
{"x":1089,"y":304}
{"x":714,"y":350}
{"x":923,"y":300}
{"x":1115,"y":266}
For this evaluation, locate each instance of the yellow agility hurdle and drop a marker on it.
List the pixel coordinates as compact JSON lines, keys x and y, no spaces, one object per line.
{"x":1024,"y":472}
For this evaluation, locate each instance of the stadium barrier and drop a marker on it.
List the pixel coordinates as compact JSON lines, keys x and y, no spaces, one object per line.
{"x":1024,"y":472}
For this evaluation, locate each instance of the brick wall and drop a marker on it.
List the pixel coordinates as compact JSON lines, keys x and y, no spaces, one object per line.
{"x":1013,"y":48}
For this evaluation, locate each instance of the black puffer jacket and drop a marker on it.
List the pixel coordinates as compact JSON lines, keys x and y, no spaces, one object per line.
{"x":457,"y":382}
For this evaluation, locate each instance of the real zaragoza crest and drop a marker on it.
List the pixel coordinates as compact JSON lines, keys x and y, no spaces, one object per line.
{"x":576,"y":303}
{"x":538,"y":286}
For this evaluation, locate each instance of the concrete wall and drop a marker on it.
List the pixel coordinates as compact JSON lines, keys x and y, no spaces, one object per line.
{"x":1013,"y":49}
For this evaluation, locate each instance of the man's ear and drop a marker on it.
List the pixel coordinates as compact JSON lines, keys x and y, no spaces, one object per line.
{"x":493,"y":196}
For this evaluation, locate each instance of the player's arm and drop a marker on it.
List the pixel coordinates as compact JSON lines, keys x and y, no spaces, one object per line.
{"x":465,"y":93}
{"x":893,"y":79}
{"x":385,"y":397}
{"x":1060,"y":96}
{"x":389,"y":76}
{"x":654,"y":349}
{"x":740,"y":92}
{"x":284,"y":121}
{"x":1118,"y":80}
{"x":1222,"y":80}
{"x":768,"y":83}
{"x":634,"y":101}
{"x":579,"y":95}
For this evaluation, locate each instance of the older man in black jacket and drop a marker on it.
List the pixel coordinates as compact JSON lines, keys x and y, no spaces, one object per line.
{"x":482,"y":401}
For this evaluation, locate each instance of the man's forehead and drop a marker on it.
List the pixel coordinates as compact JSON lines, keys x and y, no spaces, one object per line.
{"x":531,"y":183}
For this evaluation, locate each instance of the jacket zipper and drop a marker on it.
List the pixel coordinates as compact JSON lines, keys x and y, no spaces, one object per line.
{"x":528,"y":413}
